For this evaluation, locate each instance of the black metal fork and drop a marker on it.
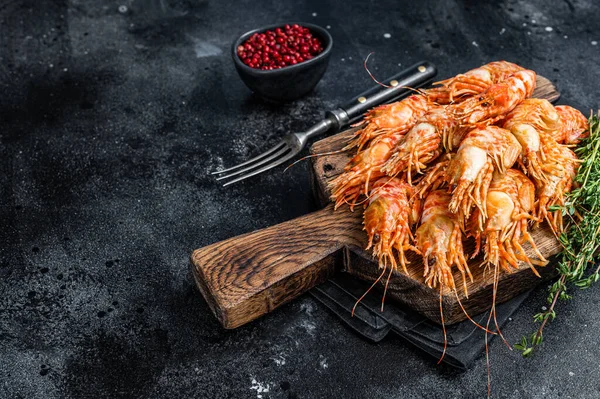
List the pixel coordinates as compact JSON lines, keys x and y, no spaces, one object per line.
{"x":398,"y":86}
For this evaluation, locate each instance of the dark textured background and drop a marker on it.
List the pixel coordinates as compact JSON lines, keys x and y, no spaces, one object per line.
{"x":111,"y":120}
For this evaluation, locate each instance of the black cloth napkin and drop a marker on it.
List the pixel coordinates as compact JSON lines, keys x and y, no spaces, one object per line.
{"x":465,"y":341}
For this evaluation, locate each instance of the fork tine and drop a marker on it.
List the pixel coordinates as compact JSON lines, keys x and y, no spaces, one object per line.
{"x":264,"y":168}
{"x":262,"y":162}
{"x":252,"y":160}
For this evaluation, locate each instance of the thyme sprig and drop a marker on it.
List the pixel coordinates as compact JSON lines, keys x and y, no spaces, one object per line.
{"x":581,"y":239}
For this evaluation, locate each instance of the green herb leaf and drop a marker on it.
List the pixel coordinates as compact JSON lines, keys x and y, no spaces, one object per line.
{"x":581,"y":238}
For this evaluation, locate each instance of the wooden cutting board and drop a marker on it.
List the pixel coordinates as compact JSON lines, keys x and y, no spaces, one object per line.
{"x":247,"y":276}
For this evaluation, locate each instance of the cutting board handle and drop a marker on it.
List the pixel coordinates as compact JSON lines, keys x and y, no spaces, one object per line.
{"x":247,"y":276}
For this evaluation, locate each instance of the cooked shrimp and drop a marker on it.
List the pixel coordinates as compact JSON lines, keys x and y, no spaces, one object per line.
{"x":439,"y":239}
{"x":509,"y":202}
{"x":442,"y":125}
{"x":471,"y":82}
{"x":470,"y":171}
{"x":575,"y":126}
{"x":553,"y":190}
{"x":491,"y":105}
{"x":533,"y":123}
{"x":490,"y":162}
{"x":398,"y":117}
{"x":387,"y":221}
{"x":551,"y":166}
{"x":423,"y":143}
{"x":362,"y":168}
{"x":480,"y":153}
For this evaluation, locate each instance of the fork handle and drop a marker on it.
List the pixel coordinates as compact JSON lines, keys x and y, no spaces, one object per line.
{"x":399,"y":85}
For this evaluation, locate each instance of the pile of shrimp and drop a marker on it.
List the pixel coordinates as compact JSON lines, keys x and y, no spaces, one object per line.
{"x":476,"y":158}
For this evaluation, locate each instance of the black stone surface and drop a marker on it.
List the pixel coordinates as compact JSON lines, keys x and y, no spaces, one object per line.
{"x":111,"y":115}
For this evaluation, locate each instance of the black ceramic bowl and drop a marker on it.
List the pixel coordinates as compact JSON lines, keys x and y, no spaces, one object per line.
{"x":290,"y":82}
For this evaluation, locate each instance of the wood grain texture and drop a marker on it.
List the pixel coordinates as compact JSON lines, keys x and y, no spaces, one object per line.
{"x":410,"y":290}
{"x":245,"y":277}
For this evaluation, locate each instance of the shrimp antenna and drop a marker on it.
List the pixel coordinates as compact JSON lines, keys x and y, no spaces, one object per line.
{"x":487,"y":355}
{"x":443,"y":327}
{"x":492,"y":314}
{"x":354,"y":203}
{"x":314,"y":156}
{"x":418,"y":91}
{"x":469,"y":317}
{"x":495,"y":291}
{"x":386,"y":287}
{"x":370,"y":74}
{"x":370,"y":288}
